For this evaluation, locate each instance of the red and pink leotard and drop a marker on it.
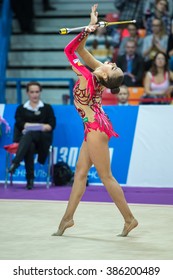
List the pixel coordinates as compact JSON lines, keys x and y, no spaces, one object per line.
{"x":88,"y":101}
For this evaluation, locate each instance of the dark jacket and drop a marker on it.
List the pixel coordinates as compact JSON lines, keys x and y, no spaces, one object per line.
{"x":45,"y":115}
{"x":137,"y":69}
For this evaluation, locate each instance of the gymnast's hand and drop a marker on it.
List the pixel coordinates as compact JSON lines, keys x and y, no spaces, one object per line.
{"x":93,"y":15}
{"x":91,"y":28}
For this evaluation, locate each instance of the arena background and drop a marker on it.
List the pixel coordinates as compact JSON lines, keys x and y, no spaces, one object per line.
{"x":141,"y":156}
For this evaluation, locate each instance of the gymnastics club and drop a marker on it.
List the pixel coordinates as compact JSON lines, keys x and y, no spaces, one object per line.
{"x":64,"y":31}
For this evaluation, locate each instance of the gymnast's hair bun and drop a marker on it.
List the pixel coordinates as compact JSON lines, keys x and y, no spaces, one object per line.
{"x":115,"y":90}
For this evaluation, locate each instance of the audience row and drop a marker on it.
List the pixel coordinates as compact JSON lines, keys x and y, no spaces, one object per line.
{"x":143,"y":11}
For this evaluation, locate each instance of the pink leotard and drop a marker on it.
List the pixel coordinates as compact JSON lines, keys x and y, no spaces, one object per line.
{"x":88,"y":102}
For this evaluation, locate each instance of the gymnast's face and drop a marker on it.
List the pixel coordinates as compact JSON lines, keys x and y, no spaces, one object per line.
{"x":109,"y":69}
{"x":112,"y":69}
{"x":34,"y":93}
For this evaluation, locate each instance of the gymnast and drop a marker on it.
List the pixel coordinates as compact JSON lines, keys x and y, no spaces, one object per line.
{"x":97,"y":126}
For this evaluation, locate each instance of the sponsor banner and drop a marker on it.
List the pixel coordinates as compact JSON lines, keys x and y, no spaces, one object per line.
{"x":141,"y":155}
{"x":68,"y":137}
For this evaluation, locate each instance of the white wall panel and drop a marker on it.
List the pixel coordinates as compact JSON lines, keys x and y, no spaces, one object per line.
{"x":151,"y":161}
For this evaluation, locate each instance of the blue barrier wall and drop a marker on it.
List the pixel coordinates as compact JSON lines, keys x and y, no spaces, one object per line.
{"x":5,"y":32}
{"x":141,"y":156}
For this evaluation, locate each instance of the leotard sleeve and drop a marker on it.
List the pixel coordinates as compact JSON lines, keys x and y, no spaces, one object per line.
{"x":75,"y":62}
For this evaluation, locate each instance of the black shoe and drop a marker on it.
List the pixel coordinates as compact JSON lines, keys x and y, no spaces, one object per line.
{"x":13,"y":167}
{"x":30,"y":184}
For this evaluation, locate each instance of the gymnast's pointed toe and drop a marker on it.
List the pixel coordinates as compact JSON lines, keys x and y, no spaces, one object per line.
{"x":128,"y":227}
{"x":63,"y":227}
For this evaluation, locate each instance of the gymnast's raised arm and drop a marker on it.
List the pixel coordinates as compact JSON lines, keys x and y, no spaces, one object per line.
{"x":82,"y":51}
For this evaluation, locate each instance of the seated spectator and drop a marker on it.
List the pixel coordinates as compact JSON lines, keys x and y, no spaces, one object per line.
{"x":160,"y":12}
{"x":100,"y":45}
{"x":33,"y":131}
{"x":157,"y":82}
{"x":170,"y":49}
{"x":153,"y":43}
{"x":129,"y":10}
{"x":132,"y":64}
{"x":133,"y":33}
{"x":123,"y":96}
{"x":149,"y":8}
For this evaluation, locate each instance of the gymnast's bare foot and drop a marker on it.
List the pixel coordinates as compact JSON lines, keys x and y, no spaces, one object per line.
{"x":128,"y":227}
{"x":63,"y":226}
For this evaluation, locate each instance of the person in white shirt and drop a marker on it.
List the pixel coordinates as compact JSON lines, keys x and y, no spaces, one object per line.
{"x":33,"y":130}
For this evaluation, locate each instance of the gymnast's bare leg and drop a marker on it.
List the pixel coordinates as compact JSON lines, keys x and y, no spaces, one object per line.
{"x":83,"y":165}
{"x":97,"y":143}
{"x":95,"y":150}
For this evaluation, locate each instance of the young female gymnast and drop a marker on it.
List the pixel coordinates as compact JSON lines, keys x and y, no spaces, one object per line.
{"x":97,"y":126}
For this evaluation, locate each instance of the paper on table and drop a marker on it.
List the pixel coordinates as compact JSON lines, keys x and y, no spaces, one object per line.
{"x":34,"y":126}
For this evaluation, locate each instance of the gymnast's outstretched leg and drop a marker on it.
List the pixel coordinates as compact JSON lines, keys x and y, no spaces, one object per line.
{"x":83,"y":165}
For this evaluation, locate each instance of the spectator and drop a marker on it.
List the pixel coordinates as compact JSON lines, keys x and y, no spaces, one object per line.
{"x":113,"y":30}
{"x":133,"y":33}
{"x":132,"y":65}
{"x":129,"y":10}
{"x":100,"y":45}
{"x":170,"y":49}
{"x":33,"y":131}
{"x":160,"y":12}
{"x":123,"y":96}
{"x":153,"y":43}
{"x":149,"y":7}
{"x":158,"y":80}
{"x":24,"y":12}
